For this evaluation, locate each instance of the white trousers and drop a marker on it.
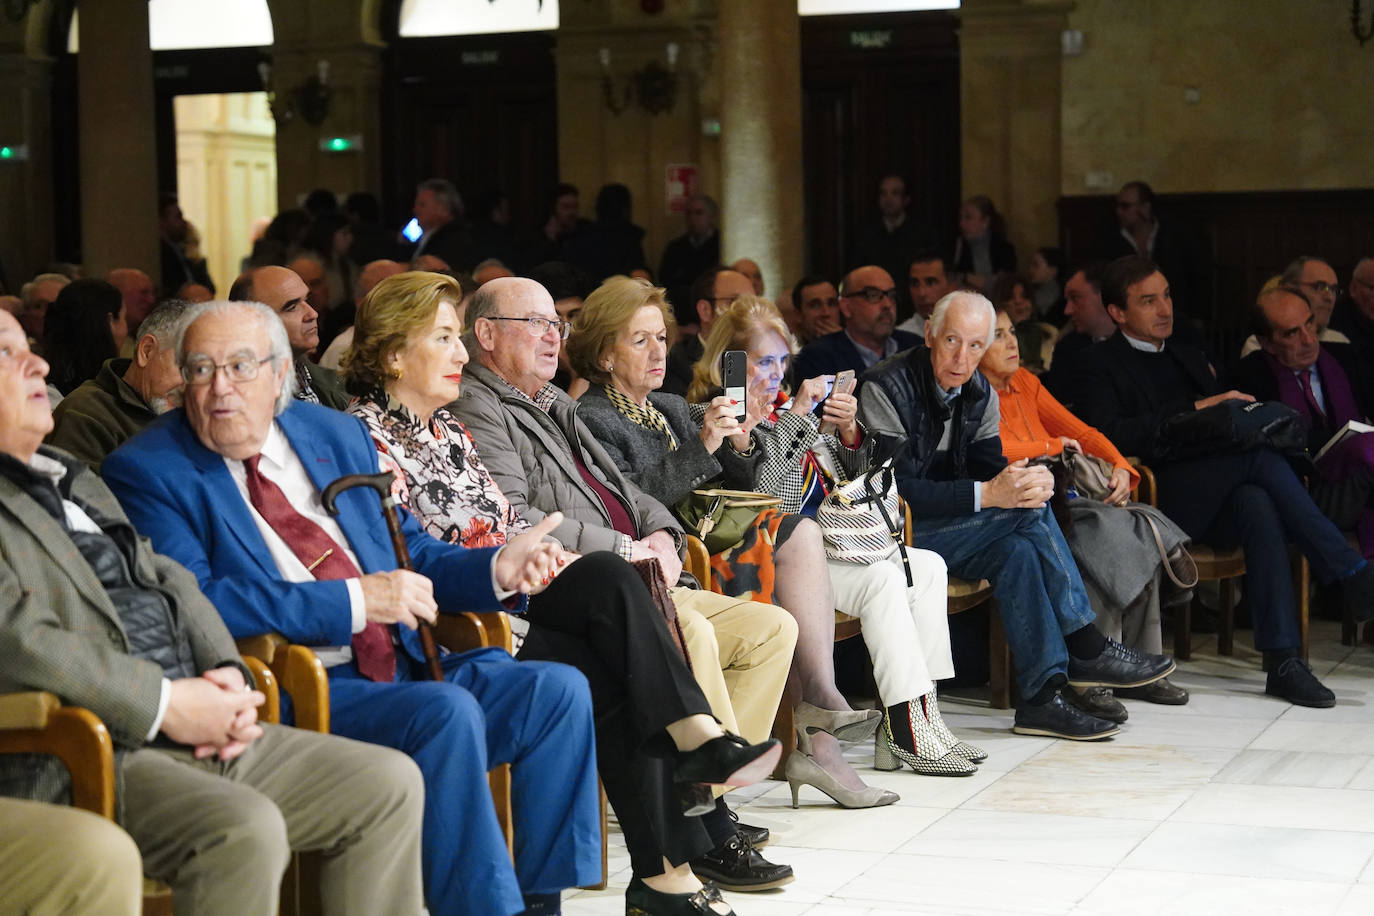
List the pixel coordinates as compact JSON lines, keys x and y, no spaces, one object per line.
{"x":906,"y":629}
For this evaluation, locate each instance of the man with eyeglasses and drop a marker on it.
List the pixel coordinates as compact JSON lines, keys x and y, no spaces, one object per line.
{"x":230,"y":487}
{"x":868,"y":307}
{"x":715,"y":289}
{"x":1315,"y":279}
{"x":284,"y":292}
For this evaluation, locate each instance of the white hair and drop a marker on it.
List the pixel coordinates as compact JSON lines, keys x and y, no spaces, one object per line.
{"x":267,"y":318}
{"x":963,"y":298}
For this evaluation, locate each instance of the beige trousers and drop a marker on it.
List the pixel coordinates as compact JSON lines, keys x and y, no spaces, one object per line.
{"x":741,"y":652}
{"x":221,"y":834}
{"x":57,"y":861}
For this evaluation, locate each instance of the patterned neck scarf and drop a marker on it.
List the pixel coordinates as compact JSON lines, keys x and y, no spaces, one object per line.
{"x":648,"y":416}
{"x":304,"y":390}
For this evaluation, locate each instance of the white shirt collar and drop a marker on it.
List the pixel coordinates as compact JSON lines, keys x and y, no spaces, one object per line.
{"x":1144,"y":346}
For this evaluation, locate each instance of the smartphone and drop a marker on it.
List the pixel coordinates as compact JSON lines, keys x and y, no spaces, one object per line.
{"x":734,"y":378}
{"x":412,"y":230}
{"x":844,"y":384}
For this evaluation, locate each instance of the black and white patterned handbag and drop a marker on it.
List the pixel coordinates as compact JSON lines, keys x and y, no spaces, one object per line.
{"x":861,"y":520}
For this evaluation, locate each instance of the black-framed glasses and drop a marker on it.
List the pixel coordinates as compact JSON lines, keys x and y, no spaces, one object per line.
{"x":539,"y":326}
{"x":1321,"y":286}
{"x":200,"y":370}
{"x":873,"y":294}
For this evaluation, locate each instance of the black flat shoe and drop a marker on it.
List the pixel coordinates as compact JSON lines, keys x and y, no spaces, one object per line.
{"x":737,"y":866}
{"x":728,"y":761}
{"x":1118,"y":666}
{"x":1294,"y":681}
{"x":1057,"y":718}
{"x":642,"y":900}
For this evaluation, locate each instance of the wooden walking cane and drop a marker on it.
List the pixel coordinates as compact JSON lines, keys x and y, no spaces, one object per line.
{"x":381,"y":483}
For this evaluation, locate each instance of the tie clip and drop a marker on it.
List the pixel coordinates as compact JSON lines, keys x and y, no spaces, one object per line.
{"x":324,"y":556}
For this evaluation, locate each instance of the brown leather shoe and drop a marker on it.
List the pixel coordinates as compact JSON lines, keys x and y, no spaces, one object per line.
{"x":1161,"y":692}
{"x":1097,"y":701}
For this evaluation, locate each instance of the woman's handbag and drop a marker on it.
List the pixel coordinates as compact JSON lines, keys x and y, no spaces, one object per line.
{"x":721,"y":518}
{"x":861,"y":520}
{"x":652,"y":575}
{"x":1090,"y":475}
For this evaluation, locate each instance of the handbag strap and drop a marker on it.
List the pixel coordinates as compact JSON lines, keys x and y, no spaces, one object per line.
{"x":1163,"y":554}
{"x":884,"y":474}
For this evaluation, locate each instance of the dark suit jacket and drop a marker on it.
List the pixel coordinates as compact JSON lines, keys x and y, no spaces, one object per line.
{"x":61,"y":631}
{"x":177,"y":271}
{"x":328,"y":385}
{"x":835,"y":352}
{"x":449,"y":242}
{"x":1120,"y":400}
{"x":181,"y":495}
{"x":681,"y":264}
{"x":1182,"y":259}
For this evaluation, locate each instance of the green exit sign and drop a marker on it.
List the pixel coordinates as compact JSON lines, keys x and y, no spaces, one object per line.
{"x":14,"y":152}
{"x":348,"y":144}
{"x":868,"y":39}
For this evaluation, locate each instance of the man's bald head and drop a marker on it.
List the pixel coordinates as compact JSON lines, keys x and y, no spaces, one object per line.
{"x":136,"y":288}
{"x":499,"y":333}
{"x":284,"y":292}
{"x":375,"y":272}
{"x":750,"y":269}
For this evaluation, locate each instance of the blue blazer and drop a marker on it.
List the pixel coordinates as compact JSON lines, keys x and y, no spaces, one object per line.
{"x":180,"y":494}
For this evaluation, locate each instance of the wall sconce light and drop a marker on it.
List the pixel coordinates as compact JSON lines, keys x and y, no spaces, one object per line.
{"x":310,"y":99}
{"x":653,"y":87}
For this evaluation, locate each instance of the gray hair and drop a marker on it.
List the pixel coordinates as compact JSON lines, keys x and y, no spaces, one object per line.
{"x":961,"y":297}
{"x":483,"y":304}
{"x":162,"y":322}
{"x":445,"y":192}
{"x":27,"y":291}
{"x":278,"y":343}
{"x":489,"y":262}
{"x":1292,"y":274}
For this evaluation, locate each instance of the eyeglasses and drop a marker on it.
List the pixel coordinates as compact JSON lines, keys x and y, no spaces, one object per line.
{"x":1321,"y":286}
{"x":872,"y":294}
{"x":200,"y":370}
{"x":538,"y":326}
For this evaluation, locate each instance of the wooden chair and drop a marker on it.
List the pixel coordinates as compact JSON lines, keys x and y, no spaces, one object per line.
{"x":36,"y":722}
{"x":460,"y":632}
{"x":1225,"y":566}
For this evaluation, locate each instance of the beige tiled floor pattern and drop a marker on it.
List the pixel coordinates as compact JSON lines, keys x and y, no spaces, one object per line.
{"x":1234,"y":804}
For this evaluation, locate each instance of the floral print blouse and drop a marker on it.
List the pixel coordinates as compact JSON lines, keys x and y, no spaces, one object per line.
{"x":439,"y":476}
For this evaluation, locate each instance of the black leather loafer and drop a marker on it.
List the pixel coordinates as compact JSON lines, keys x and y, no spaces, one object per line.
{"x":758,"y":837}
{"x":1098,"y":701}
{"x":737,"y":866}
{"x":642,"y":900}
{"x":1294,"y":681}
{"x":1162,"y":691}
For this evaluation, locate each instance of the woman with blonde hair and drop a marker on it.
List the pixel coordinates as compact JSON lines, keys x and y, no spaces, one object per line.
{"x":657,"y":744}
{"x":668,"y":448}
{"x":904,"y":626}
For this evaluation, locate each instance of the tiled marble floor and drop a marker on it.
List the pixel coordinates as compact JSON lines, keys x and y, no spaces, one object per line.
{"x":1236,"y":803}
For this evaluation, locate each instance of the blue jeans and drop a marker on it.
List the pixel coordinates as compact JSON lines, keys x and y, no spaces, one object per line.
{"x":1039,"y":592}
{"x":535,"y":716}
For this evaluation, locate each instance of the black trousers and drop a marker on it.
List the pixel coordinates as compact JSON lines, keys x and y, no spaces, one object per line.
{"x":1256,"y":502}
{"x":598,"y":617}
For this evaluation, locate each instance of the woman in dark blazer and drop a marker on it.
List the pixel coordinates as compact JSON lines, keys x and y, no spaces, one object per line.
{"x":620,"y":344}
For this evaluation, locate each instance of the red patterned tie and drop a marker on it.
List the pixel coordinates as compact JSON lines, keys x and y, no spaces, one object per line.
{"x":325,"y":559}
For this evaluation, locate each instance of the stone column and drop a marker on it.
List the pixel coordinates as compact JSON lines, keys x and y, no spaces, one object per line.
{"x":1010,"y":91}
{"x":117,"y":126}
{"x":759,"y":54}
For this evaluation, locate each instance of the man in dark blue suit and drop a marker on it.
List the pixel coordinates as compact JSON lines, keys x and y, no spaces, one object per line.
{"x":868,"y":304}
{"x":230,"y":487}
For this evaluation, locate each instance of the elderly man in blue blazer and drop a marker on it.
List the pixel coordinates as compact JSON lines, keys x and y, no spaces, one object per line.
{"x":230,"y":487}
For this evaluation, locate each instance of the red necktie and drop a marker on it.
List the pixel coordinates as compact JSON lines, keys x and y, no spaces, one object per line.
{"x":325,"y":559}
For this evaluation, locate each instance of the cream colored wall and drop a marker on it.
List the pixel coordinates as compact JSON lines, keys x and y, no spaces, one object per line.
{"x":1285,"y":96}
{"x":226,"y":174}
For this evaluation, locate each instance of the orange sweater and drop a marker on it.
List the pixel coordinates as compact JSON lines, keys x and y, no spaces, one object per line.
{"x":1033,"y":420}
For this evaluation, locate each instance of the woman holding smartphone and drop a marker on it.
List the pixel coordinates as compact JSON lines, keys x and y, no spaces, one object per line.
{"x":668,"y":448}
{"x":904,"y":626}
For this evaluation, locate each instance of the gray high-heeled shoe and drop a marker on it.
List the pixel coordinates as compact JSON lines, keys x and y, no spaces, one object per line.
{"x":844,"y":724}
{"x":803,"y":770}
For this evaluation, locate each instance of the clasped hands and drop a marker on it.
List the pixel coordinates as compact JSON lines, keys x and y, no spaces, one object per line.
{"x":1019,"y":485}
